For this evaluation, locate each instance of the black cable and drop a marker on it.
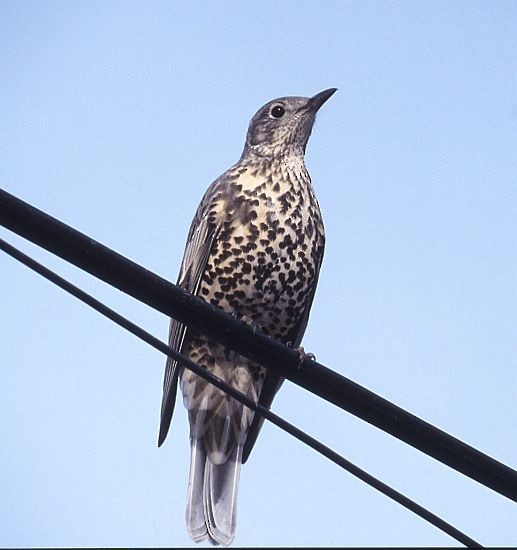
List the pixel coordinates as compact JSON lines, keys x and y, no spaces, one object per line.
{"x":275,"y":419}
{"x":161,"y":295}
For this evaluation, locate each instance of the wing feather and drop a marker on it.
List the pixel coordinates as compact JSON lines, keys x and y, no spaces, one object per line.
{"x":199,"y":244}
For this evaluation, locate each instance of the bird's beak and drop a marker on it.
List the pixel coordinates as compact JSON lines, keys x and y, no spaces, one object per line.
{"x":319,"y":99}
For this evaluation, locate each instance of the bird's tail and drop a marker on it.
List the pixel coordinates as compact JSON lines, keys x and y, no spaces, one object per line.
{"x":212,"y":495}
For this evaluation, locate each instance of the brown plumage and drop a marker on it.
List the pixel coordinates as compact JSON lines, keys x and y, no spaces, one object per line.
{"x":254,"y":249}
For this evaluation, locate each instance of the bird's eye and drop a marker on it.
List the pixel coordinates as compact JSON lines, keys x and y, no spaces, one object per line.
{"x":277,"y":111}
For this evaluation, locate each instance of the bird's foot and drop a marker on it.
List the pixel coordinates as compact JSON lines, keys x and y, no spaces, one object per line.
{"x":302,"y":354}
{"x":250,"y":322}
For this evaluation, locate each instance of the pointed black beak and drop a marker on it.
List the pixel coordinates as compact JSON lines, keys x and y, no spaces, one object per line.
{"x":319,"y":99}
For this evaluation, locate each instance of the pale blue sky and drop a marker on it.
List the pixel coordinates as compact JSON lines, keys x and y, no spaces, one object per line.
{"x":115,"y":117}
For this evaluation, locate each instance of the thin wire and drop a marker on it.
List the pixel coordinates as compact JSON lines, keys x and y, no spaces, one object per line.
{"x":273,"y":418}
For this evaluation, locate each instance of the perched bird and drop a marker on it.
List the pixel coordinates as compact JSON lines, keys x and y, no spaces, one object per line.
{"x":254,"y":249}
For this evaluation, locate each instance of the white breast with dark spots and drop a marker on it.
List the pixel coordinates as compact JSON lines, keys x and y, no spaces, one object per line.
{"x":264,"y":262}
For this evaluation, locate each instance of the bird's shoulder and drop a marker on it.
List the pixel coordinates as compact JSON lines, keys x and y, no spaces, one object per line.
{"x":228,"y":192}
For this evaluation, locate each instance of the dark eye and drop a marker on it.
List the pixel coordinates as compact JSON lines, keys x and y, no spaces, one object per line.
{"x":277,"y":111}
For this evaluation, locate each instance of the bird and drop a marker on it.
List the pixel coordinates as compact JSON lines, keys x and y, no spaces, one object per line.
{"x":254,"y":250}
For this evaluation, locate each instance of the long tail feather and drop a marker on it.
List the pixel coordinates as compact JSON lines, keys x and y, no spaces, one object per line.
{"x":220,"y":497}
{"x":212,"y":495}
{"x":194,"y":514}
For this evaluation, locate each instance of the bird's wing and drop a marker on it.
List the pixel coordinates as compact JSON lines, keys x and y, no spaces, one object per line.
{"x":199,"y":243}
{"x":273,"y":381}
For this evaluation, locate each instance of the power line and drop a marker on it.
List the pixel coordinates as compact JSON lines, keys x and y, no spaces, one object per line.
{"x":166,"y":297}
{"x":160,"y":294}
{"x":259,"y":409}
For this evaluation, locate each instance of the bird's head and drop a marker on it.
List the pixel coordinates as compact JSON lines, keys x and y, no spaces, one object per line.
{"x":283,"y":126}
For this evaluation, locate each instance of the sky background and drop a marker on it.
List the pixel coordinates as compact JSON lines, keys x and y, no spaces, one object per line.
{"x":115,"y":117}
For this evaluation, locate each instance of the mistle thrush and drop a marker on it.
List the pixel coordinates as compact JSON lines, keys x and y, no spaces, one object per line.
{"x":254,"y":249}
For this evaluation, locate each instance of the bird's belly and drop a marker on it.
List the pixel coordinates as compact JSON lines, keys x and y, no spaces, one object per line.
{"x":267,"y":282}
